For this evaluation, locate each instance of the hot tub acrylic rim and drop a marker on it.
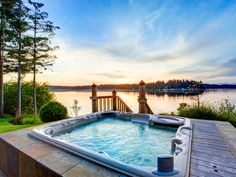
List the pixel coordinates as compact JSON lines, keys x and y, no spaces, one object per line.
{"x":181,"y":160}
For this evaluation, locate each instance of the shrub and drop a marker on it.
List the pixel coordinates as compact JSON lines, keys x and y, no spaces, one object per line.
{"x":10,"y":97}
{"x":167,"y":114}
{"x":76,"y":108}
{"x":224,"y":111}
{"x":26,"y":119}
{"x":53,"y":111}
{"x":30,"y":119}
{"x":200,"y":112}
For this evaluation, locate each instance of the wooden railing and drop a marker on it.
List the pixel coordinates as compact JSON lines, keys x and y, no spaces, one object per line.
{"x":148,"y":109}
{"x":115,"y":103}
{"x":121,"y":105}
{"x":110,"y":102}
{"x":143,"y":105}
{"x":106,"y":103}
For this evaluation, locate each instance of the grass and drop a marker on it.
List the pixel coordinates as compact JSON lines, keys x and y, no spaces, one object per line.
{"x":6,"y":125}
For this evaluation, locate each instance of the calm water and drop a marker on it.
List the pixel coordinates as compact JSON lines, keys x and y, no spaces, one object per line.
{"x":131,"y":143}
{"x":158,"y":104}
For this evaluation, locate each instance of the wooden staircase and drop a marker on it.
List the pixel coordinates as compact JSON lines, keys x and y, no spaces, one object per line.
{"x":111,"y":103}
{"x":115,"y":103}
{"x":148,"y":109}
{"x":108,"y":103}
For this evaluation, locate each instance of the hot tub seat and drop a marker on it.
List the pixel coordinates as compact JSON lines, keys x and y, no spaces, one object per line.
{"x":167,"y":120}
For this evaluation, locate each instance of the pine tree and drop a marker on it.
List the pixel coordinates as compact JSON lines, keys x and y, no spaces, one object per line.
{"x":17,"y":51}
{"x":43,"y":30}
{"x":2,"y":28}
{"x":5,"y":35}
{"x":25,"y":43}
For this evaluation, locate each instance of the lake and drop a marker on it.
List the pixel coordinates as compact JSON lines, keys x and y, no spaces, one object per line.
{"x":158,"y":103}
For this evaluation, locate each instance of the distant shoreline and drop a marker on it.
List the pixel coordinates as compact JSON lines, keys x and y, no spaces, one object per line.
{"x":190,"y":91}
{"x":135,"y":87}
{"x":175,"y":87}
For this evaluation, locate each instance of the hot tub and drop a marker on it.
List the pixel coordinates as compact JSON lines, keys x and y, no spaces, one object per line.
{"x":126,"y":142}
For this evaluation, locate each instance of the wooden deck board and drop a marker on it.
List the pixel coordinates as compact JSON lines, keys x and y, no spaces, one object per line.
{"x":213,"y":171}
{"x":210,"y":143}
{"x":206,"y":145}
{"x":212,"y":165}
{"x":212,"y":152}
{"x":220,"y":160}
{"x":211,"y":155}
{"x":199,"y":173}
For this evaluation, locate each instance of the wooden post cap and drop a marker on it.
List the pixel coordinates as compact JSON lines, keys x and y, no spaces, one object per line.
{"x":94,"y":85}
{"x":141,"y":82}
{"x":114,"y":91}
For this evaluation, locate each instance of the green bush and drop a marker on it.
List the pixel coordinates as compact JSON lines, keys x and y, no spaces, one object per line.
{"x":201,"y":112}
{"x":30,"y":119}
{"x":224,"y":111}
{"x":10,"y":97}
{"x":53,"y":111}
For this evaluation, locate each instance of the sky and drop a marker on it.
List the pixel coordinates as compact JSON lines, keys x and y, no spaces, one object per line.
{"x":125,"y":41}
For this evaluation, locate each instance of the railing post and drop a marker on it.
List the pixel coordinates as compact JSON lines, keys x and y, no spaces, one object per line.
{"x":94,"y":98}
{"x":142,"y":98}
{"x":114,"y":100}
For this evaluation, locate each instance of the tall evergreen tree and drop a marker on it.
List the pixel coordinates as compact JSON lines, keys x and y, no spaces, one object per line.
{"x":2,"y":27}
{"x":25,"y":41}
{"x":5,"y":35}
{"x":43,"y":30}
{"x":18,"y":48}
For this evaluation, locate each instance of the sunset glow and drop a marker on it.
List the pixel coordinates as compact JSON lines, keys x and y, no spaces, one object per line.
{"x":125,"y":41}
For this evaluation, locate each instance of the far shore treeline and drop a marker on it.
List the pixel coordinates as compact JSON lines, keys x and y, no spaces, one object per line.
{"x":174,"y":85}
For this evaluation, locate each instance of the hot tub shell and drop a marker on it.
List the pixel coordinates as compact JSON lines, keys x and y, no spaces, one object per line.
{"x":181,"y":143}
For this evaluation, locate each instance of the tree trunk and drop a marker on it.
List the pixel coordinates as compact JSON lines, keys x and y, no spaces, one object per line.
{"x":35,"y":101}
{"x":18,"y":115}
{"x":1,"y":67}
{"x":34,"y":60}
{"x":1,"y":80}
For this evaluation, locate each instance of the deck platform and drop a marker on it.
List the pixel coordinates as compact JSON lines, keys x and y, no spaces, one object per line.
{"x":213,"y":149}
{"x":213,"y":154}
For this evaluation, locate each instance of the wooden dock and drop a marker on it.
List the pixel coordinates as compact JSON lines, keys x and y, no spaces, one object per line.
{"x":213,"y":149}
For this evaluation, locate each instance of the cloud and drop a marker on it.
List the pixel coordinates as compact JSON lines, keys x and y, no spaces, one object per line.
{"x":227,"y":69}
{"x":211,"y":70}
{"x":153,"y":40}
{"x":135,"y":55}
{"x":135,"y":41}
{"x":110,"y":75}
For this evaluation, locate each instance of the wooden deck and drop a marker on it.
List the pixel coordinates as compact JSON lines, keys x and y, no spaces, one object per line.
{"x":213,"y":149}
